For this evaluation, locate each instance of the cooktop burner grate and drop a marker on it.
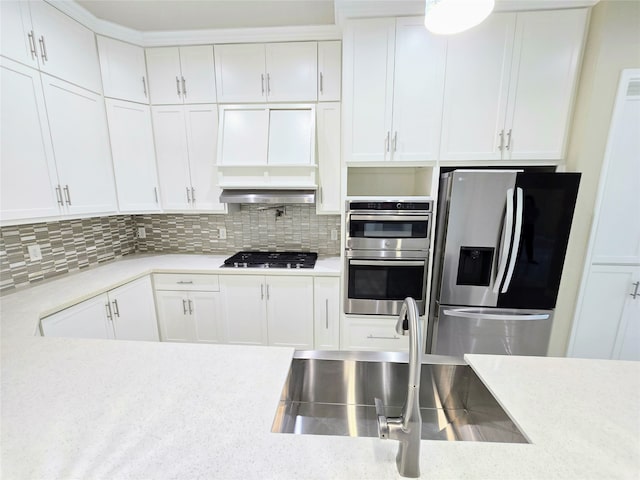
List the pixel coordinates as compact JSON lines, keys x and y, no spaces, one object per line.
{"x":254,"y":259}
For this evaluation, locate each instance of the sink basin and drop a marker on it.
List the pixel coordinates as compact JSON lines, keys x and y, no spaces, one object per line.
{"x":332,"y":393}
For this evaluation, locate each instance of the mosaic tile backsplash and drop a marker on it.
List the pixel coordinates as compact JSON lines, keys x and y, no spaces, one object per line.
{"x":71,"y":245}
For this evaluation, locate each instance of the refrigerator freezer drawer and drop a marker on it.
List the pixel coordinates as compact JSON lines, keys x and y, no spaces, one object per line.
{"x":501,"y":331}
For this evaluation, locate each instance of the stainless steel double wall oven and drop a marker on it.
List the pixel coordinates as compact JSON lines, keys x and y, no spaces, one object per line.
{"x":387,"y":254}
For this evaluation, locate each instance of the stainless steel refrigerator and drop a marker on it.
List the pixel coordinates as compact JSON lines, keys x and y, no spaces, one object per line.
{"x":501,"y":239}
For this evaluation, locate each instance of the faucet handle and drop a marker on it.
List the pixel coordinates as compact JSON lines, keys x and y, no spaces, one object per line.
{"x":383,"y":424}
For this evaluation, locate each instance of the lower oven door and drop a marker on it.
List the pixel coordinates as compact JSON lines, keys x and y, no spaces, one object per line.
{"x":379,"y":286}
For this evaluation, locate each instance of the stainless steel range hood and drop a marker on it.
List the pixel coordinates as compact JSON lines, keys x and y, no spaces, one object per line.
{"x":281,"y":197}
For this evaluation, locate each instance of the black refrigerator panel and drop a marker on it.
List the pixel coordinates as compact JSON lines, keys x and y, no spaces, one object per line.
{"x":547,"y":203}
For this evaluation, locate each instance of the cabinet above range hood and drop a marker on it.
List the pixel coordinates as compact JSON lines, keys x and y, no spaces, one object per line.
{"x":280,"y":197}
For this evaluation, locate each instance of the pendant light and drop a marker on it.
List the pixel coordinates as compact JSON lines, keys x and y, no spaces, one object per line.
{"x":445,"y":17}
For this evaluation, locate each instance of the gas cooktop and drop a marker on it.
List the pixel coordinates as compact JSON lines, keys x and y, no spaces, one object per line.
{"x":272,"y":260}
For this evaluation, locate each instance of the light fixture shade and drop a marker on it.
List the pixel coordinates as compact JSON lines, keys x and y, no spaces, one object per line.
{"x":445,"y":17}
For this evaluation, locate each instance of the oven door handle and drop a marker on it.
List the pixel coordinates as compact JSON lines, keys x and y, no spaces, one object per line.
{"x":399,"y":217}
{"x":395,"y":263}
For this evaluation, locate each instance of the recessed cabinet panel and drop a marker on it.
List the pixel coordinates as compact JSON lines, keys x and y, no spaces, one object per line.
{"x":17,"y":39}
{"x":173,"y":310}
{"x":245,"y":136}
{"x":84,"y":320}
{"x":133,"y":156}
{"x":326,"y":313}
{"x":124,"y":73}
{"x":28,"y":177}
{"x":328,"y":121}
{"x":198,"y":77}
{"x":329,"y":71}
{"x":163,"y":65}
{"x":245,"y":315}
{"x":290,"y":311}
{"x":291,"y":71}
{"x":205,"y":310}
{"x":240,"y":73}
{"x":291,"y":137}
{"x":133,"y":311}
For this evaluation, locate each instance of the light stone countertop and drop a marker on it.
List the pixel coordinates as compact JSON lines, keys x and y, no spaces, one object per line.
{"x":76,"y":408}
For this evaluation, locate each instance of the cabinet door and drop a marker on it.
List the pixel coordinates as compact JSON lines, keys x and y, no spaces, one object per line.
{"x":476,"y":87}
{"x":198,"y":72}
{"x":202,"y":136}
{"x":134,"y":311}
{"x":627,"y":345}
{"x":240,"y":73}
{"x":417,"y":91}
{"x":87,"y":319}
{"x":165,"y":84}
{"x":601,"y":311}
{"x":291,"y":135}
{"x":329,"y":71}
{"x":292,"y":71}
{"x":326,"y":299}
{"x":172,"y":156}
{"x":17,"y":40}
{"x":371,"y":333}
{"x":245,"y":319}
{"x":28,"y":177}
{"x":546,"y":57}
{"x":244,"y":136}
{"x":124,"y":74}
{"x":173,"y":316}
{"x":290,"y":311}
{"x":81,"y":145}
{"x":133,"y":156}
{"x":328,"y":119}
{"x":369,"y":61}
{"x":67,"y":48}
{"x":206,"y":317}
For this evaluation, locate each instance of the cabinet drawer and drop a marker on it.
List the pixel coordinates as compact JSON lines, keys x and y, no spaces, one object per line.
{"x":372,"y":334}
{"x":187,"y":281}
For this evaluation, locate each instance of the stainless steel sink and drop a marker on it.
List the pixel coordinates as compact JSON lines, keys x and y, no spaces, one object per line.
{"x":332,"y":393}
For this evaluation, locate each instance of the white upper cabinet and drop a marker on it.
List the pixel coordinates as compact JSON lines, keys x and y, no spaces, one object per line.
{"x":328,"y":121}
{"x":509,"y":86}
{"x":181,"y":75}
{"x":276,"y":72}
{"x":124,"y":74}
{"x":394,"y":76}
{"x":17,"y":38}
{"x":80,"y":140}
{"x":28,"y":177}
{"x":67,"y":49}
{"x":329,"y":71}
{"x":134,"y":160}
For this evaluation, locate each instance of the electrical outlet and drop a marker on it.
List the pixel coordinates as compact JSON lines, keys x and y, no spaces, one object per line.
{"x":334,"y":234}
{"x":222,"y":233}
{"x":34,"y":253}
{"x":142,"y":233}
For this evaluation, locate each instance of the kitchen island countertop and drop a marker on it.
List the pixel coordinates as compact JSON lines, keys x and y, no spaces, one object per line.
{"x":76,"y":408}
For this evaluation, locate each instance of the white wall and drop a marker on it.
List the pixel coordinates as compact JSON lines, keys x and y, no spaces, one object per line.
{"x":613,"y":44}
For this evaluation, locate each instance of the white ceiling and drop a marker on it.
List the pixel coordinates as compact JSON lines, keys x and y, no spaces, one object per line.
{"x":162,"y":15}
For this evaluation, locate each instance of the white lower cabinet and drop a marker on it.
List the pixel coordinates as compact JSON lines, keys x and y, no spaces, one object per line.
{"x":326,"y":301}
{"x":271,"y":310}
{"x":371,"y":333}
{"x":124,"y":313}
{"x":188,"y":308}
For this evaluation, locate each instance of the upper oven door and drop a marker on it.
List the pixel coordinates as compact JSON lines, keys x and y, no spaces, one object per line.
{"x":388,"y":231}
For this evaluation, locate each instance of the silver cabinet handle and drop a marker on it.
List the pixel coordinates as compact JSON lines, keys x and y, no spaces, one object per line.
{"x":32,"y":45}
{"x":635,"y":290}
{"x":508,"y":140}
{"x":188,"y":196}
{"x":268,"y":84}
{"x":262,"y":82}
{"x":59,"y":195}
{"x":501,"y":135}
{"x":185,"y":282}
{"x":43,"y":49}
{"x":178,"y":86}
{"x":190,"y":307}
{"x":321,"y":196}
{"x":184,"y":87}
{"x":155,"y":193}
{"x":267,"y":291}
{"x":321,"y":89}
{"x":184,"y":307}
{"x":193,"y":195}
{"x":108,"y":309}
{"x":144,"y":86}
{"x":67,"y":194}
{"x":326,"y":313}
{"x":395,"y":141}
{"x":261,"y":292}
{"x":386,"y":142}
{"x":116,"y":310}
{"x":395,"y":337}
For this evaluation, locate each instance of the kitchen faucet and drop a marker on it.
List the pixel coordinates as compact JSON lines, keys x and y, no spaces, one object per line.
{"x":407,"y":428}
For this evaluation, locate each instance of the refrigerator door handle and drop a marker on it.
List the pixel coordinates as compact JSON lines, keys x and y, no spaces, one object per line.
{"x":516,"y":238}
{"x":506,"y":244}
{"x":471,"y":314}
